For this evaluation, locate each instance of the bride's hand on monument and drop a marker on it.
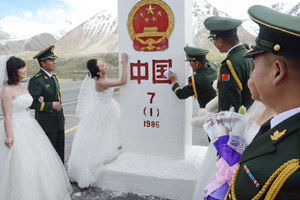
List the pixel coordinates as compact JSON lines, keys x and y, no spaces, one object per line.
{"x":124,"y":60}
{"x":9,"y":141}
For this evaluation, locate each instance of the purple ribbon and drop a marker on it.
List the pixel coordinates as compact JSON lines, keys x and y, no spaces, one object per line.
{"x":231,"y":156}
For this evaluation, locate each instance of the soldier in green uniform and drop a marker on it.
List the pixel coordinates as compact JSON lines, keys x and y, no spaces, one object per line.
{"x":49,"y":113}
{"x":269,"y":167}
{"x":200,"y":84}
{"x":235,"y":70}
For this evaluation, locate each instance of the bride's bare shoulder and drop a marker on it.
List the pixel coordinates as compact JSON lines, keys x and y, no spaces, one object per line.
{"x":6,"y":91}
{"x":6,"y":88}
{"x":101,"y":85}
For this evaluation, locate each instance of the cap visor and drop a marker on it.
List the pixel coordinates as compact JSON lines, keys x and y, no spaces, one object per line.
{"x":252,"y":52}
{"x":189,"y":59}
{"x":49,"y":57}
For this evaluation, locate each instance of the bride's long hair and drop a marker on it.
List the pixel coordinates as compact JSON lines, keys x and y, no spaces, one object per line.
{"x":13,"y":64}
{"x":93,"y":68}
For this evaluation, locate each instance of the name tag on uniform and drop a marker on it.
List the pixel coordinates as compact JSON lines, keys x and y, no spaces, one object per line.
{"x":47,"y":86}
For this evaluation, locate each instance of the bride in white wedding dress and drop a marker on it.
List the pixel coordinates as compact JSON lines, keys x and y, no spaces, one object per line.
{"x":30,"y":168}
{"x":97,"y":141}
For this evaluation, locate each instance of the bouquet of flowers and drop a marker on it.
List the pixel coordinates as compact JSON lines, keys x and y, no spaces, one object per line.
{"x":226,"y":131}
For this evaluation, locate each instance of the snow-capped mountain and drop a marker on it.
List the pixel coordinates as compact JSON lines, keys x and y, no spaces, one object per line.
{"x":295,"y":11}
{"x":286,"y":8}
{"x":14,"y":43}
{"x":98,"y":34}
{"x":203,"y":9}
{"x":282,"y":7}
{"x":35,"y":43}
{"x":66,"y":27}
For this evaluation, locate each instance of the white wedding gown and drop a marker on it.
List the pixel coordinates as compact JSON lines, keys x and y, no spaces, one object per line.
{"x":31,"y":168}
{"x":97,"y":141}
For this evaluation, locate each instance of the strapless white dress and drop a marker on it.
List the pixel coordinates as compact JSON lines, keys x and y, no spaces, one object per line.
{"x":31,"y":168}
{"x":97,"y":141}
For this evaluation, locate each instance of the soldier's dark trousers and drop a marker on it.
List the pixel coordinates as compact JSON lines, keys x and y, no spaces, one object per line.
{"x":58,"y":141}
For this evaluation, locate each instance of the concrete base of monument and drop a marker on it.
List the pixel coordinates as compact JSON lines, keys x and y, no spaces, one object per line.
{"x":162,"y":177}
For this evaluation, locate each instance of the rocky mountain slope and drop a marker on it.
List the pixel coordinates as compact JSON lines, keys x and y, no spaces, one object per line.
{"x":35,"y":43}
{"x":203,"y":9}
{"x":99,"y":34}
{"x":295,"y":11}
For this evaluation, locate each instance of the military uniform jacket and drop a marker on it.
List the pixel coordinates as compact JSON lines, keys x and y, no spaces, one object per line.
{"x":199,"y":85}
{"x":232,"y":81}
{"x":270,"y":157}
{"x":41,"y":85}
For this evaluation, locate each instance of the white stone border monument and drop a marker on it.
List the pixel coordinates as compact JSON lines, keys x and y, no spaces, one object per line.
{"x":158,"y":157}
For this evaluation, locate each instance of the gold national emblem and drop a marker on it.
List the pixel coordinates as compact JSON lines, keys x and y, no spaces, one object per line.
{"x":150,"y":25}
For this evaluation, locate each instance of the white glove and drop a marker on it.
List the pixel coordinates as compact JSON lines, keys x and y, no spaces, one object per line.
{"x":166,"y":73}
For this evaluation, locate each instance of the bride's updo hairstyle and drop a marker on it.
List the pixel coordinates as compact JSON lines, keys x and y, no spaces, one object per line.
{"x":93,"y":68}
{"x":13,"y":64}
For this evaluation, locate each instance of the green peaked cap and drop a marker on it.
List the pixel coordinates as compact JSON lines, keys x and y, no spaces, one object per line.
{"x":221,"y":26}
{"x":279,"y":33}
{"x":193,"y":53}
{"x":46,"y":54}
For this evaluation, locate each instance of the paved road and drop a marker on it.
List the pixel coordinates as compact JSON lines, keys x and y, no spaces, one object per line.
{"x":70,"y":90}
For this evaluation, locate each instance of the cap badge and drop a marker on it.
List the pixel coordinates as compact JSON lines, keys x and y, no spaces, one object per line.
{"x":276,"y":47}
{"x":212,"y":36}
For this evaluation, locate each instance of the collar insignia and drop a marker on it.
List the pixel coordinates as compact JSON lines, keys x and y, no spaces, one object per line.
{"x":276,"y":135}
{"x":250,"y":50}
{"x":37,"y":75}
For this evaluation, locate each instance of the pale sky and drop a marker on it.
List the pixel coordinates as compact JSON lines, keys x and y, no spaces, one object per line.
{"x":32,"y":17}
{"x":233,"y":5}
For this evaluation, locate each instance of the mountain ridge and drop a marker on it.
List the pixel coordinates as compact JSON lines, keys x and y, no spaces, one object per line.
{"x":99,"y":34}
{"x":35,"y":43}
